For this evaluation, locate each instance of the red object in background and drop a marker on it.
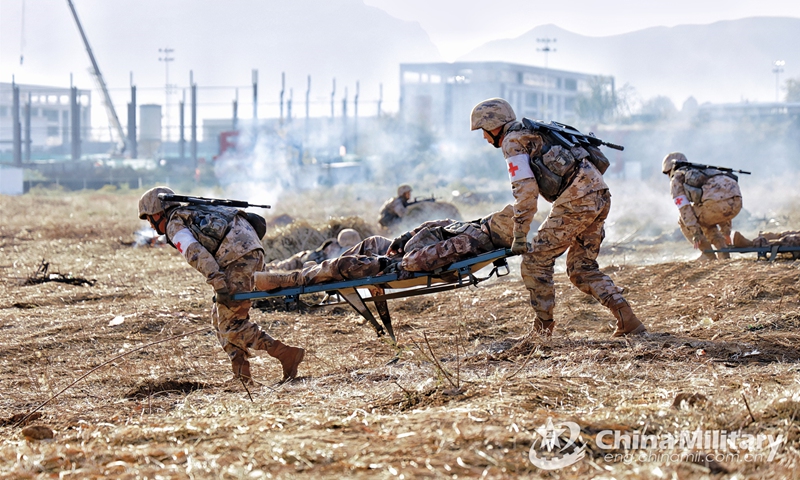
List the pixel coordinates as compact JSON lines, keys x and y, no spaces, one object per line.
{"x":227,"y":142}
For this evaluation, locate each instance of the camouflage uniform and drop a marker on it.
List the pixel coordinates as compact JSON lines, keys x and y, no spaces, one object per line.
{"x":393,"y":211}
{"x":438,"y":243}
{"x":784,"y":239}
{"x":296,"y":261}
{"x":428,"y":247}
{"x":222,"y":245}
{"x":706,"y":213}
{"x":575,"y":223}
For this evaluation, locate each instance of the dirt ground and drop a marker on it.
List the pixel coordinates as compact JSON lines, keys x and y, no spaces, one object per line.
{"x":722,"y":355}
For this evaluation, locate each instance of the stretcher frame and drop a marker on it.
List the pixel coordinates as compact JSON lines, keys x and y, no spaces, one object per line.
{"x":456,"y":275}
{"x":768,"y":253}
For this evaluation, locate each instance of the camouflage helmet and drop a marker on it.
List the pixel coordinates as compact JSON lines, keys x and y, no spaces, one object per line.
{"x":670,"y":160}
{"x":501,"y":226}
{"x":403,"y":189}
{"x":491,"y":114}
{"x":348,"y":237}
{"x":150,"y":204}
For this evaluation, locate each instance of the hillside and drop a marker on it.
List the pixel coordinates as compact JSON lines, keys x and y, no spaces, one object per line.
{"x":725,"y":61}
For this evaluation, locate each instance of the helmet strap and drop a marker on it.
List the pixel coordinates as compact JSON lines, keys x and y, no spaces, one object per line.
{"x":496,"y":138}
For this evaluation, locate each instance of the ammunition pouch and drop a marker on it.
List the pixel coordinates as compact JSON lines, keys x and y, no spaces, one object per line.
{"x":694,"y":194}
{"x":554,"y":171}
{"x":597,"y":158}
{"x":210,"y":225}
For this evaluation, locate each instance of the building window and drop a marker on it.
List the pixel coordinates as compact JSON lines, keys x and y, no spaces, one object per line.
{"x":51,"y":115}
{"x":3,"y":111}
{"x":569,"y":104}
{"x":411,"y":77}
{"x":570,"y":84}
{"x":532,"y":100}
{"x":52,"y":131}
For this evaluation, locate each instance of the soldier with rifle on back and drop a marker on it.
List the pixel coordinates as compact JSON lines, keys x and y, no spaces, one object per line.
{"x":220,"y":241}
{"x":708,"y":198}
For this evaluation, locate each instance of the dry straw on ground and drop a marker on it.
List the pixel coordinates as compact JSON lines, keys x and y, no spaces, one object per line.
{"x":464,"y":399}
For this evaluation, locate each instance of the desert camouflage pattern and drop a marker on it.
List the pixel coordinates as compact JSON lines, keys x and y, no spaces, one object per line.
{"x":575,"y":223}
{"x":299,"y":260}
{"x":709,"y":221}
{"x":237,"y":257}
{"x":365,"y":259}
{"x":491,"y":114}
{"x":518,"y":141}
{"x":231,"y":319}
{"x":241,"y":239}
{"x":576,"y":226}
{"x":393,"y":210}
{"x":441,"y":242}
{"x":784,"y":239}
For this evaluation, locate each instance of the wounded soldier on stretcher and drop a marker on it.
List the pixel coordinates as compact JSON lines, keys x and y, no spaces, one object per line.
{"x":430,"y":246}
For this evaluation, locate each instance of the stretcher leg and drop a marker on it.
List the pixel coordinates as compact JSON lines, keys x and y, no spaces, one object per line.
{"x":352,"y":297}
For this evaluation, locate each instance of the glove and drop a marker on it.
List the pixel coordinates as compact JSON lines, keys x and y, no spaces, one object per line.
{"x":223,"y":297}
{"x":399,"y":243}
{"x":697,"y":239}
{"x":520,"y":244}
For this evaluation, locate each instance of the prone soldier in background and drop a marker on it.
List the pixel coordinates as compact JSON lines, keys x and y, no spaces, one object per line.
{"x":393,"y":211}
{"x":330,"y":248}
{"x":220,"y":243}
{"x":707,"y":198}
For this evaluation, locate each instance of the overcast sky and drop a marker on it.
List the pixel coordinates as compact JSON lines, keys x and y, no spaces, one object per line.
{"x":458,"y":26}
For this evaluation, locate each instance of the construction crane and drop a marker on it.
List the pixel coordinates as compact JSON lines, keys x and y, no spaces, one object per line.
{"x":121,"y":143}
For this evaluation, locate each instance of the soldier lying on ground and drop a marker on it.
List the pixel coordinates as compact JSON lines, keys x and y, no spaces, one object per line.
{"x":220,"y":243}
{"x":430,"y":246}
{"x":331,"y":248}
{"x":393,"y":211}
{"x":768,"y":239}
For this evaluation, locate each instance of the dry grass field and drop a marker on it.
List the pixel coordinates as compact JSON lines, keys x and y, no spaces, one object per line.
{"x":723,"y":354}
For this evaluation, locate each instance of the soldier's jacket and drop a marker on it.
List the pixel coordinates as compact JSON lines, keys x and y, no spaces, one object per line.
{"x":299,"y":259}
{"x":438,"y":243}
{"x":393,"y":210}
{"x":211,"y":238}
{"x":519,"y":147}
{"x":690,"y":188}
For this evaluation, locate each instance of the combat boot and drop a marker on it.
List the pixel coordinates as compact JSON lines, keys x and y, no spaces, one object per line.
{"x":266,"y":281}
{"x":706,"y":256}
{"x":719,"y":243}
{"x":290,"y":357}
{"x":740,"y":242}
{"x":544,"y":328}
{"x":627,"y":323}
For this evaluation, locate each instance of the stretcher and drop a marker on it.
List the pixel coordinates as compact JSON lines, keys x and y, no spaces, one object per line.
{"x":408,"y":284}
{"x":768,"y":253}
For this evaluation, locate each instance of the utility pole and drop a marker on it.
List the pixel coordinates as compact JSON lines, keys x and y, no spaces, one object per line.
{"x":777,"y":71}
{"x":546,"y":49}
{"x":17,"y":127}
{"x":166,"y":58}
{"x":333,"y":94}
{"x":283,"y":89}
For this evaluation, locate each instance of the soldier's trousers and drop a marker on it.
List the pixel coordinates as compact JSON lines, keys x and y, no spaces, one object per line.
{"x":231,"y":320}
{"x":715,"y":218}
{"x":576,"y":226}
{"x":359,"y":261}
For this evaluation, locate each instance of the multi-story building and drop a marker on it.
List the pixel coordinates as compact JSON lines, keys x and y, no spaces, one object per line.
{"x":442,"y":94}
{"x":50,"y":115}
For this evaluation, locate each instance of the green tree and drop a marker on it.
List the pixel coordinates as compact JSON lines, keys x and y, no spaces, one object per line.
{"x":793,"y":90}
{"x":599,"y":102}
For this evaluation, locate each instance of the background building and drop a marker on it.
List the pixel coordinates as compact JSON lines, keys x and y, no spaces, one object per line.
{"x":50,"y":124}
{"x":443,"y":94}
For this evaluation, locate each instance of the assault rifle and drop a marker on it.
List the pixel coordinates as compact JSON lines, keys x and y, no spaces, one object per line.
{"x":219,"y":202}
{"x":703,"y":167}
{"x":568,"y":136}
{"x":420,"y":200}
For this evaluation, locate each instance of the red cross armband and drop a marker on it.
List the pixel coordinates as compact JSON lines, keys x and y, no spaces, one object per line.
{"x":519,"y":167}
{"x":182,"y":240}
{"x":681,"y":201}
